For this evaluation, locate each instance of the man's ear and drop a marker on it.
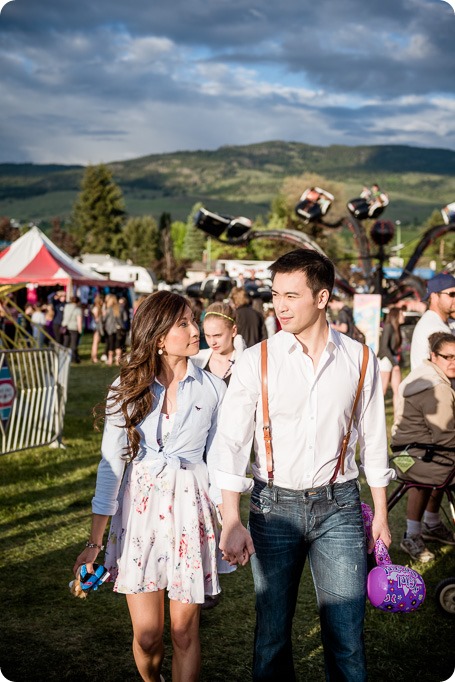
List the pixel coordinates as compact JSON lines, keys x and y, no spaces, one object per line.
{"x":323,"y":298}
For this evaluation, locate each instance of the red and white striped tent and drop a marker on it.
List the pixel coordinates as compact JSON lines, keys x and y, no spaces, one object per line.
{"x":35,"y":259}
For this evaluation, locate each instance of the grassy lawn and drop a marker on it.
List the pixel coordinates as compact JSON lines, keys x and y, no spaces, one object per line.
{"x":48,"y":635}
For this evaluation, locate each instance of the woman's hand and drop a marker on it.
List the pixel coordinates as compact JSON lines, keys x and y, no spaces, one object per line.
{"x":87,"y":557}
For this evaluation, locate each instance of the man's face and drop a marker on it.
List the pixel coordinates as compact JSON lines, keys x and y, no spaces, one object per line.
{"x":295,"y":306}
{"x":444,"y":302}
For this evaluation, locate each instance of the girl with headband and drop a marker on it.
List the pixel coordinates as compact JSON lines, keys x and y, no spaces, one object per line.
{"x":225,"y":345}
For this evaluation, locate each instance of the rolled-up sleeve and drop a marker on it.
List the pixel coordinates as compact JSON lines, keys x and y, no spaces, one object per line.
{"x":111,"y":466}
{"x":236,"y":425}
{"x":372,"y":433}
{"x":212,"y":449}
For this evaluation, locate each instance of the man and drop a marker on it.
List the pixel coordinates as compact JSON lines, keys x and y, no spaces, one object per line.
{"x":313,"y":375}
{"x":441,"y":305}
{"x":250,"y":323}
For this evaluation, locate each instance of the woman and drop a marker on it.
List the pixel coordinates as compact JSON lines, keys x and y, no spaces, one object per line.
{"x":426,"y":414}
{"x":220,"y":330}
{"x":112,"y":323}
{"x":97,"y":325}
{"x":389,"y":353}
{"x":72,"y":323}
{"x":161,"y":417}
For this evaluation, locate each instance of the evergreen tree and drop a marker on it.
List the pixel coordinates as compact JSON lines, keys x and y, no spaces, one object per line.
{"x":99,"y":212}
{"x":139,"y":241}
{"x":195,"y":239}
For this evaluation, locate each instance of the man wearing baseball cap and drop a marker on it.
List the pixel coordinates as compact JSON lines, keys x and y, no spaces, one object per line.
{"x":441,"y":297}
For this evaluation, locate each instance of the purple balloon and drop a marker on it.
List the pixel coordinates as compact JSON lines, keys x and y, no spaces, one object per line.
{"x":391,"y":587}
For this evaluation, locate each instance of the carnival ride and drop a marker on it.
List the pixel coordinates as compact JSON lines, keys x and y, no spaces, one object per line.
{"x":312,"y":207}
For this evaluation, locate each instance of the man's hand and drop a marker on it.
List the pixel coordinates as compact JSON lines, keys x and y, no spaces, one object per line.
{"x":236,"y":544}
{"x":379,"y":531}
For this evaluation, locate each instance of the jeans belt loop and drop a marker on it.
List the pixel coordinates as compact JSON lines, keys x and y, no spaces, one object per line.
{"x":275,"y":494}
{"x":329,"y":490}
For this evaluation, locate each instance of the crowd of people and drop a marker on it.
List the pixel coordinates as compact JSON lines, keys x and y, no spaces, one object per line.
{"x":203,"y":411}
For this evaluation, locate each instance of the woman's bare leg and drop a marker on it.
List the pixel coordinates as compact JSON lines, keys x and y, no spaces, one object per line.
{"x":385,"y":379}
{"x":186,"y":660}
{"x":147,"y":616}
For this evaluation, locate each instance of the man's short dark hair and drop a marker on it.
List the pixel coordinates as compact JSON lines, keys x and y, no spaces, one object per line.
{"x":318,"y":269}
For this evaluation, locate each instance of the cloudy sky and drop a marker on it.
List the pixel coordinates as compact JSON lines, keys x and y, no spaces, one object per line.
{"x":85,"y":81}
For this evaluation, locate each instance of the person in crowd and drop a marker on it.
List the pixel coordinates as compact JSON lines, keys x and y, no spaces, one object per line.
{"x":58,"y":301}
{"x":344,"y":321}
{"x":161,"y":416}
{"x":112,"y":323}
{"x":122,"y":333}
{"x":304,"y":502}
{"x":250,"y":323}
{"x":389,"y":352}
{"x":220,"y":330}
{"x":38,"y":318}
{"x":426,"y":414}
{"x":219,"y":359}
{"x":137,"y":302}
{"x":197,"y":306}
{"x":72,"y":322}
{"x":441,"y":305}
{"x":270,"y":322}
{"x":97,"y":326}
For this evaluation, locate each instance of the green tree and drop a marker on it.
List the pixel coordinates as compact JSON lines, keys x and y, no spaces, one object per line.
{"x":195,"y":239}
{"x":139,"y":241}
{"x":178,"y":232}
{"x":99,"y":212}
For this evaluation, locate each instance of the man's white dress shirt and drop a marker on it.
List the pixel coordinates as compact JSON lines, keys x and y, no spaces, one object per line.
{"x":309,"y":411}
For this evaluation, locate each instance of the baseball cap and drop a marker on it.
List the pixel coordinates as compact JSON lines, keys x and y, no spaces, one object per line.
{"x":439,"y":283}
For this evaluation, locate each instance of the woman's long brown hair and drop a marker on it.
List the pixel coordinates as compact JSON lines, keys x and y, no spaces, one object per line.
{"x":393,"y":318}
{"x":131,"y":396}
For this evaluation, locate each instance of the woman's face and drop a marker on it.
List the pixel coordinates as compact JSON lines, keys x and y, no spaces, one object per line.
{"x":182,"y":340}
{"x":445,"y":359}
{"x":218,"y":334}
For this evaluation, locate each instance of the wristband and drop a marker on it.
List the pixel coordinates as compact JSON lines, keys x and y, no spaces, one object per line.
{"x":92,"y":545}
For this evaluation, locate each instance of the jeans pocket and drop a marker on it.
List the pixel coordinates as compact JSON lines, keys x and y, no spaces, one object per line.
{"x":260,"y":501}
{"x":347,"y":497}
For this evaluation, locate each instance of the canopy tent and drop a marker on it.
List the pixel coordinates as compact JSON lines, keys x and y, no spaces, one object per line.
{"x":35,"y":259}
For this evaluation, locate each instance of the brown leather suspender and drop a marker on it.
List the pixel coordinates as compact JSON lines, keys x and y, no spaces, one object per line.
{"x":266,"y":419}
{"x":265,"y":413}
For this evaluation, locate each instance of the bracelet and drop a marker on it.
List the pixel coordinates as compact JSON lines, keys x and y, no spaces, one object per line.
{"x":92,"y":545}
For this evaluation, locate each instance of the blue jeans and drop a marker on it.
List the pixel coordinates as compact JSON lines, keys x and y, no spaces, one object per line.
{"x":326,"y":525}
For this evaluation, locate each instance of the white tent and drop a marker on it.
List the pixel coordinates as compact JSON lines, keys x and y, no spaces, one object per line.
{"x":35,"y":259}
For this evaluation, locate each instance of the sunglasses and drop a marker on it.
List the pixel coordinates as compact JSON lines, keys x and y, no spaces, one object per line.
{"x":449,"y":358}
{"x":448,"y":293}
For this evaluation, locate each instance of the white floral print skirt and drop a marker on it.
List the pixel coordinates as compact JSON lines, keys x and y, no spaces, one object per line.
{"x":164,"y":534}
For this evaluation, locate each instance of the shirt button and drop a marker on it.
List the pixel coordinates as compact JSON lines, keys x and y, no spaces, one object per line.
{"x":310,"y":448}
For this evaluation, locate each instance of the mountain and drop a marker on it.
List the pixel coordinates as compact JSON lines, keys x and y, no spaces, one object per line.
{"x":238,"y":180}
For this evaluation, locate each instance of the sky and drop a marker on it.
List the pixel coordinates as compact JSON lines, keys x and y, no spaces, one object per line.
{"x":91,"y":81}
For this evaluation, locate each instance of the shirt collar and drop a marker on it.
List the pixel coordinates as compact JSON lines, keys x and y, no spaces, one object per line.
{"x":292,"y":344}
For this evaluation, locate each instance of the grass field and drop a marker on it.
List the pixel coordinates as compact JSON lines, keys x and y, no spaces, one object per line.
{"x":47,"y":635}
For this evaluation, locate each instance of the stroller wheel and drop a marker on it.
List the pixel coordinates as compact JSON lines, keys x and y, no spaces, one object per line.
{"x":445,"y":595}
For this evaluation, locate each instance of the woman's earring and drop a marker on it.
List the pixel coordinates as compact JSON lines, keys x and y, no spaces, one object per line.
{"x":160,"y":351}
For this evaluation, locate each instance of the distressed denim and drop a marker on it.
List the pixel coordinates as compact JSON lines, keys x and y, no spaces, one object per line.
{"x":326,"y":525}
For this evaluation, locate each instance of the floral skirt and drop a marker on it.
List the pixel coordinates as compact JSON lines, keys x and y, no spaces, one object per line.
{"x":164,"y":534}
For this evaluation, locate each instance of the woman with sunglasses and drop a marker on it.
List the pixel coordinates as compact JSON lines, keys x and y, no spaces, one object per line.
{"x":426,"y":414}
{"x":161,"y":418}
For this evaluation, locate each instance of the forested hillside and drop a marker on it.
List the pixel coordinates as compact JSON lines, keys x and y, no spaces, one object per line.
{"x":238,"y":180}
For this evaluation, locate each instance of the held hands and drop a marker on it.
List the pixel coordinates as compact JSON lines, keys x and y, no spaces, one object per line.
{"x":379,"y":531}
{"x":236,"y":544}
